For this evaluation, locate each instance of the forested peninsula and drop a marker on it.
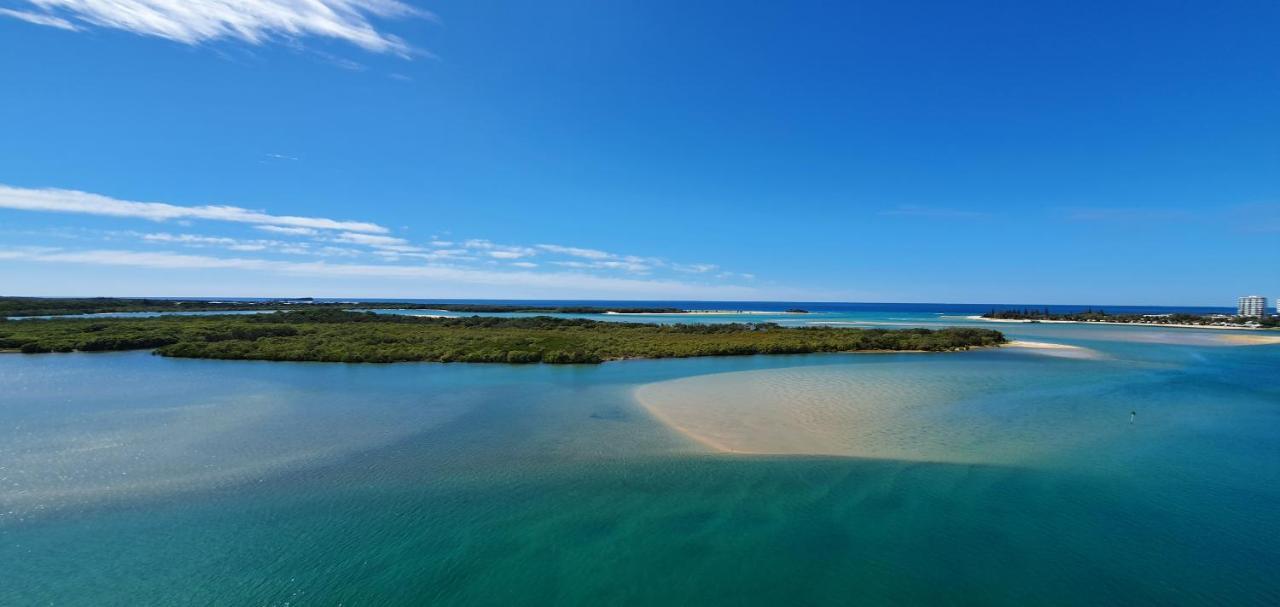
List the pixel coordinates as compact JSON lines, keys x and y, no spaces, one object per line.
{"x":333,"y":335}
{"x":1102,"y":316}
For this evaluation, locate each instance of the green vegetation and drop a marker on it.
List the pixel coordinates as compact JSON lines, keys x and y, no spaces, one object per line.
{"x":1091,"y":315}
{"x":338,"y":336}
{"x":49,"y":306}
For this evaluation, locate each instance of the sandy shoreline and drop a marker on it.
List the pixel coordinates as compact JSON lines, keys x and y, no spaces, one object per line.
{"x":1059,"y":350}
{"x":666,"y":420}
{"x":1251,"y":340}
{"x":1040,"y":345}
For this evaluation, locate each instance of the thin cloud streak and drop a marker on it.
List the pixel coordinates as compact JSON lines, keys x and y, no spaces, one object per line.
{"x":376,"y":241}
{"x":270,"y":246}
{"x":53,"y":200}
{"x":324,"y":237}
{"x":632,"y":267}
{"x":251,"y":21}
{"x":340,"y":271}
{"x":287,"y":230}
{"x":40,"y":19}
{"x":576,"y":251}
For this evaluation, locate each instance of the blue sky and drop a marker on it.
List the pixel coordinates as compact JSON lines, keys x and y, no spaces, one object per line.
{"x":1122,"y":153}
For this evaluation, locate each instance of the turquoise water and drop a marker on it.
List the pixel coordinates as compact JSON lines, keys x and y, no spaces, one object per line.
{"x":998,"y":477}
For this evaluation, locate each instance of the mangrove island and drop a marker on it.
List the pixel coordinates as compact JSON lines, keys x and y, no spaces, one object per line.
{"x":334,"y":335}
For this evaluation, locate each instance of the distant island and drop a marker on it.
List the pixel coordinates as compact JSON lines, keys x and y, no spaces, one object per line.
{"x":51,"y":306}
{"x":333,"y":335}
{"x":1101,"y":316}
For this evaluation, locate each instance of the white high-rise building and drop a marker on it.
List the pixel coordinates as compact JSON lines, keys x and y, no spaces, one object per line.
{"x":1253,"y":305}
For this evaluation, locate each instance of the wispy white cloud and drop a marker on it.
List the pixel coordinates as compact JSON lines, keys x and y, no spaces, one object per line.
{"x":53,"y":200}
{"x":188,"y":239}
{"x":233,"y":244}
{"x":324,"y":237}
{"x":575,"y":282}
{"x":629,"y":266}
{"x":576,"y":251}
{"x":437,"y":256}
{"x":499,"y":251}
{"x":391,"y":243}
{"x":509,"y":254}
{"x":694,"y":268}
{"x":337,"y":252}
{"x":254,"y":22}
{"x":39,"y":19}
{"x":288,"y":230}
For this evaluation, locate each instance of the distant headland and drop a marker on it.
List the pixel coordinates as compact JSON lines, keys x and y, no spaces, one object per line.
{"x":1224,"y":321}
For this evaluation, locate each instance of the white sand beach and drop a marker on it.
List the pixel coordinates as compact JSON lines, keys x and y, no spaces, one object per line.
{"x":1059,"y":350}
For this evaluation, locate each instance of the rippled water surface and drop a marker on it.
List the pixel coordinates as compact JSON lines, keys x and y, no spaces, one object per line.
{"x":987,"y":477}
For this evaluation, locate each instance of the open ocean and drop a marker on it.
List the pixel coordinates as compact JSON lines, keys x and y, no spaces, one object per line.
{"x":1012,"y":476}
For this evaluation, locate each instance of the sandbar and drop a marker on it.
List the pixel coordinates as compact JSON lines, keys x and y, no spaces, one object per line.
{"x":1250,"y":340}
{"x":1059,"y":350}
{"x":884,"y":411}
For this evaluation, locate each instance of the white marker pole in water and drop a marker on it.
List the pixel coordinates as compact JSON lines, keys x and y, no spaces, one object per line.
{"x":1132,"y":414}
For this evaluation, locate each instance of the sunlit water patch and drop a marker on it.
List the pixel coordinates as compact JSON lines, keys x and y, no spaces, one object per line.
{"x":81,"y":432}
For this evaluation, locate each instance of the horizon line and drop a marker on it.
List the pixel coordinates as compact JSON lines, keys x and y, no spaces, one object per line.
{"x":596,"y":299}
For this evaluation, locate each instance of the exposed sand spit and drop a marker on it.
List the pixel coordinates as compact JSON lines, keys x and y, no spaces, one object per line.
{"x":886,"y":411}
{"x":1250,"y":340}
{"x":1059,"y":350}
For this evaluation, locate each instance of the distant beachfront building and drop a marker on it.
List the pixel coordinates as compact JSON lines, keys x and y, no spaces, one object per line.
{"x":1253,"y":305}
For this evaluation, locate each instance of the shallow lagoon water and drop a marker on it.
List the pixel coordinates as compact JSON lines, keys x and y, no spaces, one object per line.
{"x":986,"y":477}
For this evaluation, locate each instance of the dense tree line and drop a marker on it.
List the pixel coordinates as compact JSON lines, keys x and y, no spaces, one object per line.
{"x":338,"y":336}
{"x":1091,"y":315}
